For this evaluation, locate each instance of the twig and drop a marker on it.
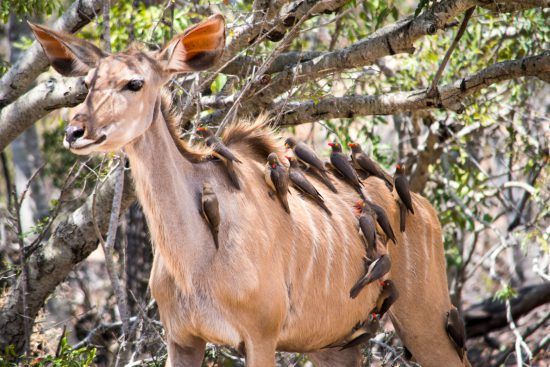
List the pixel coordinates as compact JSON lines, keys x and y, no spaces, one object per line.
{"x":7,"y":178}
{"x":109,"y":243}
{"x":107,"y":25}
{"x":433,"y":88}
{"x":530,"y":330}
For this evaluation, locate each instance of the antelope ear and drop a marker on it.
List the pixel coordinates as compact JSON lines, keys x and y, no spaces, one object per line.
{"x":198,"y":48}
{"x":68,"y":55}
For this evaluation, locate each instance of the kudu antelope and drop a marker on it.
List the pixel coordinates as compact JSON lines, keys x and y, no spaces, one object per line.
{"x":278,"y":281}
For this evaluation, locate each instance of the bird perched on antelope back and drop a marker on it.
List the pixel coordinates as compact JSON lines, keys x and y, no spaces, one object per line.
{"x":380,"y":216}
{"x":367,"y":225}
{"x":362,"y":161}
{"x":377,"y":269}
{"x":341,"y":164}
{"x":306,"y":155}
{"x":210,"y":210}
{"x":300,"y":181}
{"x":456,"y":331}
{"x":276,"y":177}
{"x":405,"y":201}
{"x":220,"y":151}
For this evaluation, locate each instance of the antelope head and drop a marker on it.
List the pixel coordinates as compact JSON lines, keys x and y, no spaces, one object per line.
{"x":124,"y":88}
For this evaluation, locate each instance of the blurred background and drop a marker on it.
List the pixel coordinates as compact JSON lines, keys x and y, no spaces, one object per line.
{"x":482,"y":160}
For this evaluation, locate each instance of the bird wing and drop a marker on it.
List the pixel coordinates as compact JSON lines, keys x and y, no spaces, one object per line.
{"x":343,"y":166}
{"x":224,"y":151}
{"x":306,"y":154}
{"x":211,"y":210}
{"x":402,"y":187}
{"x":279,"y":179}
{"x":302,"y":183}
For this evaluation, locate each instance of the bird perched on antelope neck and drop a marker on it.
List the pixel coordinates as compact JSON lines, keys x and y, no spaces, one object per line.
{"x":456,"y":331}
{"x":405,"y":200}
{"x":220,"y":151}
{"x":306,"y":155}
{"x":341,"y":164}
{"x":386,"y":299}
{"x":362,"y":161}
{"x":276,"y":177}
{"x":377,"y":269}
{"x":300,"y":181}
{"x":210,"y":210}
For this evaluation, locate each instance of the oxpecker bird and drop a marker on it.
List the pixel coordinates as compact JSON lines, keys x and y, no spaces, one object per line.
{"x":341,"y":164}
{"x":210,"y":210}
{"x":380,"y":216}
{"x":276,"y":177}
{"x":367,"y":225}
{"x":362,"y":161}
{"x":405,"y":200}
{"x":300,"y":181}
{"x":383,"y":221}
{"x":364,"y":332}
{"x":307,"y":156}
{"x":220,"y":151}
{"x":456,"y":331}
{"x":377,"y":269}
{"x":386,"y":299}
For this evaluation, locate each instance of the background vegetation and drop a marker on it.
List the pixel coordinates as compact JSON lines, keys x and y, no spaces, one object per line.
{"x":480,"y":156}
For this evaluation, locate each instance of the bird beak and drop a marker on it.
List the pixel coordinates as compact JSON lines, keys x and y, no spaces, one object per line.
{"x":330,"y":144}
{"x":350,"y":145}
{"x":286,"y":146}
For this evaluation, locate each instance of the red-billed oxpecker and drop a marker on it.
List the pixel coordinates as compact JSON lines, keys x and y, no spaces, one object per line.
{"x":300,"y":182}
{"x":456,"y":331}
{"x":377,"y":269}
{"x":307,"y":156}
{"x":380,"y":216}
{"x":386,"y":299}
{"x":276,"y":177}
{"x":362,"y":161}
{"x":405,"y":201}
{"x":344,"y":167}
{"x":210,"y":210}
{"x":220,"y":151}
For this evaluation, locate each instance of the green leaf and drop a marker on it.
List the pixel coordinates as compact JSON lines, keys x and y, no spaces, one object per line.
{"x":218,"y":83}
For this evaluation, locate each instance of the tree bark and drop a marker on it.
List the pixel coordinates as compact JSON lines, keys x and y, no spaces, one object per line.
{"x":72,"y":240}
{"x":490,"y":315}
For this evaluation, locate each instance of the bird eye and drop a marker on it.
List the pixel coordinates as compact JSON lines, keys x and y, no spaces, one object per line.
{"x":134,"y":85}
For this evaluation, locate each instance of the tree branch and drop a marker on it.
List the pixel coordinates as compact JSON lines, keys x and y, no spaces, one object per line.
{"x":506,"y":6}
{"x":450,"y":95}
{"x":490,"y":315}
{"x":54,"y":93}
{"x":73,"y":239}
{"x":33,"y":62}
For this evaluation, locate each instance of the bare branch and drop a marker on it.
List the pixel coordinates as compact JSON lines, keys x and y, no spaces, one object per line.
{"x":451,"y":95}
{"x":73,"y":239}
{"x":54,"y":93}
{"x":18,"y":78}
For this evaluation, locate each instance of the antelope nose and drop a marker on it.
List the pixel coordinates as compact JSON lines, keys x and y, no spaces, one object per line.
{"x":73,"y":133}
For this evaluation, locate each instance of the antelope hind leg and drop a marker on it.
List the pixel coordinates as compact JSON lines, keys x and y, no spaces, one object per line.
{"x":185,"y":356}
{"x":337,"y":358}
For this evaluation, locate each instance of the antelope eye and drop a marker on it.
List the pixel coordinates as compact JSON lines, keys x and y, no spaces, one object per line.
{"x":134,"y":85}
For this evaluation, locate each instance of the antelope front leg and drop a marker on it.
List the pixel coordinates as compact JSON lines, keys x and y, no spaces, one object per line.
{"x":260,"y":353}
{"x":190,"y":355}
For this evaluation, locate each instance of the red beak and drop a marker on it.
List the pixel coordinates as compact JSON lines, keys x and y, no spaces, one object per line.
{"x":273,"y":166}
{"x":330,"y":144}
{"x":351,"y":145}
